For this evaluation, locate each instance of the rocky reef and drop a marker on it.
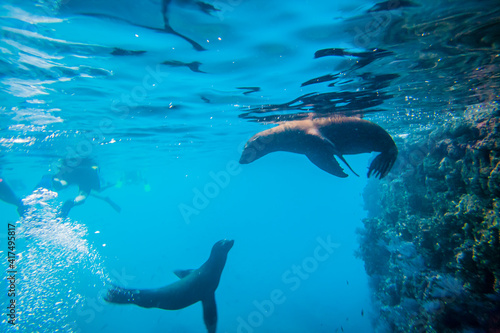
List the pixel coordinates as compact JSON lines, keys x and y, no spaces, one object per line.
{"x":431,"y":242}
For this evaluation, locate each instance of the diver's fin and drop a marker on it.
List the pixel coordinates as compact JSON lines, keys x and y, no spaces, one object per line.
{"x":210,"y":313}
{"x":182,"y":273}
{"x":108,"y":200}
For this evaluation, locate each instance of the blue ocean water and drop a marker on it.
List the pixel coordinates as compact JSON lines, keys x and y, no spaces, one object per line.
{"x":165,"y":116}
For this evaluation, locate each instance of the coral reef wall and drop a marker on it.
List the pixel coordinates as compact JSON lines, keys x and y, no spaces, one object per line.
{"x":431,"y":242}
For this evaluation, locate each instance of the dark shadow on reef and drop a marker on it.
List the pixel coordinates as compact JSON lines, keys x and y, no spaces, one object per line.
{"x":431,"y":240}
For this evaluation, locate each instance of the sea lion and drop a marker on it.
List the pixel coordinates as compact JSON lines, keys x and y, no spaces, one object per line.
{"x":194,"y":285}
{"x":322,"y":138}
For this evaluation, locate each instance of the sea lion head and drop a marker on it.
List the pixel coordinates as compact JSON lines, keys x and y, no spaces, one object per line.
{"x":222,"y":246}
{"x":248,"y":155}
{"x":258,"y":146}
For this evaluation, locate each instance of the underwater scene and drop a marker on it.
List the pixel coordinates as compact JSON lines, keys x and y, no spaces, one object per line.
{"x":250,"y":166}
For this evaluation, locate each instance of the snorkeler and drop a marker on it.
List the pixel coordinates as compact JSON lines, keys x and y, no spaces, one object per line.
{"x":85,"y":175}
{"x":7,"y":195}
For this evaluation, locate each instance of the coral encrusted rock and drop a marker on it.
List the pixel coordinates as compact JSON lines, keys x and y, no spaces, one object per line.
{"x":431,"y":242}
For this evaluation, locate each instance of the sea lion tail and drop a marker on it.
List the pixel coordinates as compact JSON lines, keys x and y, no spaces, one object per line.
{"x":383,"y":163}
{"x":119,"y":295}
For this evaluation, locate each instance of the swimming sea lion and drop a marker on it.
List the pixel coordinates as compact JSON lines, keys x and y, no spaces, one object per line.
{"x":194,"y":285}
{"x":322,"y":138}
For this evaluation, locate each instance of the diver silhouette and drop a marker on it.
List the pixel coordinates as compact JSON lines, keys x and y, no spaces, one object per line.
{"x":83,"y":173}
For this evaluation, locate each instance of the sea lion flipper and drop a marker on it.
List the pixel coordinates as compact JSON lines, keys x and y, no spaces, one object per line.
{"x":182,"y":273}
{"x":382,"y":164}
{"x":328,"y":163}
{"x":119,"y":295}
{"x":210,"y":313}
{"x":345,"y":162}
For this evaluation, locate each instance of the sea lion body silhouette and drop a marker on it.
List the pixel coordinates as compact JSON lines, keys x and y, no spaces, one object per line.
{"x":194,"y":285}
{"x":323,"y":138}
